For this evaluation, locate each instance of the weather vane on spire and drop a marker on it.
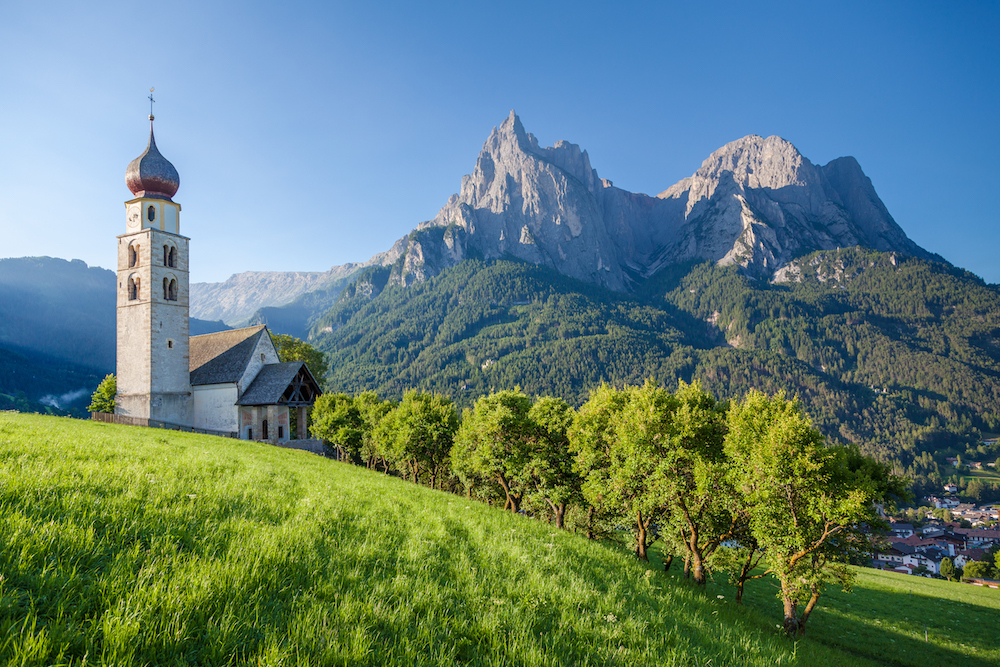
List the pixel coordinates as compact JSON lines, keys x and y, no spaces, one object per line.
{"x":151,"y":100}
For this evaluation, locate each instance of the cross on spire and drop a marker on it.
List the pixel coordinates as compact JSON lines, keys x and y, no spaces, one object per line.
{"x":151,"y":100}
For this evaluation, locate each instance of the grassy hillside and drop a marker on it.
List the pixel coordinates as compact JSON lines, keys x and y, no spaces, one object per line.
{"x":898,"y":355}
{"x":886,"y":616}
{"x":135,"y":546}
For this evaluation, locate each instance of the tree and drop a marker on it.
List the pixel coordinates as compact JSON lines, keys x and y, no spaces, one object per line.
{"x":550,"y":466}
{"x":494,"y":442}
{"x":807,"y":503}
{"x":374,"y":444}
{"x":421,"y":430}
{"x":947,"y":569}
{"x":978,"y":570}
{"x":618,"y":438}
{"x":103,"y":399}
{"x":337,"y":419}
{"x":692,"y":478}
{"x":291,"y":348}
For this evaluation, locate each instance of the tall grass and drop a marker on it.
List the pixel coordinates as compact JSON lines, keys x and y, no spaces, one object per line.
{"x":129,"y":546}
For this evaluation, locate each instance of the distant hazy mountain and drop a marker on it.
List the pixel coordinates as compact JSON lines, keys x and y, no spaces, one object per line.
{"x":756,"y":202}
{"x":59,"y":313}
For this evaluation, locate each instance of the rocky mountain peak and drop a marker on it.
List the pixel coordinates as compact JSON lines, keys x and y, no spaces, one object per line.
{"x":756,"y":202}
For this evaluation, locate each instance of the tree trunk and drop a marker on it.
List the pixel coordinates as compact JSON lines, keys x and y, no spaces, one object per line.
{"x":561,"y":515}
{"x":745,"y":571}
{"x":509,"y":504}
{"x":667,"y":562}
{"x":791,"y":620}
{"x":640,"y":537}
{"x":590,"y":523}
{"x":697,"y":569}
{"x":687,"y":567}
{"x":809,"y":608}
{"x":697,"y":563}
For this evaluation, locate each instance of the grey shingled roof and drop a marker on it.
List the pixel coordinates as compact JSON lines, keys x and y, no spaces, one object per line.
{"x":268,"y":388}
{"x":222,"y":357}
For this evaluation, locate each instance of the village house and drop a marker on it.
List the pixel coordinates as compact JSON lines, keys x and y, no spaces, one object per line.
{"x":979,"y":537}
{"x":901,"y":529}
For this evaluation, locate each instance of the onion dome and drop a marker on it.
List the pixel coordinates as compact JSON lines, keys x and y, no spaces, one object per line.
{"x":151,"y":174}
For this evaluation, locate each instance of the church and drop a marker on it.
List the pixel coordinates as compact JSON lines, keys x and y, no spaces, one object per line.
{"x":229,"y":383}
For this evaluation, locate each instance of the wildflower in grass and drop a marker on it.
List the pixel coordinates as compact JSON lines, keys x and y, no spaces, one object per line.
{"x":721,"y":597}
{"x":611,"y":618}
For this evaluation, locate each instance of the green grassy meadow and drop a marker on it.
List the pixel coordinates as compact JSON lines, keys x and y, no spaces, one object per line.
{"x":136,"y":546}
{"x":885,"y":617}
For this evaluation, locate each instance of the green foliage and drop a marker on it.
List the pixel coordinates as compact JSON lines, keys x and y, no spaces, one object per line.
{"x":947,"y":569}
{"x":338,"y":420}
{"x":103,"y":399}
{"x":806,"y":503}
{"x":495,"y":443}
{"x":292,"y":349}
{"x":550,"y":465}
{"x":419,"y":433}
{"x":979,"y":570}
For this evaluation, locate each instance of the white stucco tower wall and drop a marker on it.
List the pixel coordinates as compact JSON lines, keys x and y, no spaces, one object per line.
{"x":152,"y":366}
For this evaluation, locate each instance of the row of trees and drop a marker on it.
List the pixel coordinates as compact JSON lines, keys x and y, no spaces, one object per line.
{"x":725,"y":486}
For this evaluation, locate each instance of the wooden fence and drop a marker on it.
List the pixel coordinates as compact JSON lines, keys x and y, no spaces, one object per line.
{"x":109,"y":418}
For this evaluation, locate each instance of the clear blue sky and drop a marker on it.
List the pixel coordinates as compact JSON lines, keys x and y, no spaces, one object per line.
{"x":312,"y":134}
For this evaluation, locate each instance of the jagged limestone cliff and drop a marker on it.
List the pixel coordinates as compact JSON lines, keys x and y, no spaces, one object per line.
{"x":756,"y":202}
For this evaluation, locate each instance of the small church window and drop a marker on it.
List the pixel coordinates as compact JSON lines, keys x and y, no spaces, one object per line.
{"x":261,"y":357}
{"x":151,"y":213}
{"x":169,"y":289}
{"x":281,"y":432}
{"x":249,"y":432}
{"x":263,"y":428}
{"x":170,"y":344}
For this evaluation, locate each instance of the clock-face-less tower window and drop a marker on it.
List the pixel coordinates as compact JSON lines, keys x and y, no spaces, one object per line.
{"x":153,"y":376}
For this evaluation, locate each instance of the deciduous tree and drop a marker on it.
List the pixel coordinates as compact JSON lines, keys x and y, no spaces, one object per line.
{"x":290,"y":348}
{"x":806,"y":502}
{"x":550,"y":465}
{"x":422,"y":429}
{"x":103,"y":399}
{"x":494,"y":442}
{"x":337,"y":420}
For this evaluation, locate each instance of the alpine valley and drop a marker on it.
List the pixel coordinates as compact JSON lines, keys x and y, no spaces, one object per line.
{"x":761,"y":270}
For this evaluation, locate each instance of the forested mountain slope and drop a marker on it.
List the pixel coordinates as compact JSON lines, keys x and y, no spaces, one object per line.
{"x":897,"y":354}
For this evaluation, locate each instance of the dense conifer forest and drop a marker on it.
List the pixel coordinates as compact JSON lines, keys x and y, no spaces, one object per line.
{"x":898,"y":355}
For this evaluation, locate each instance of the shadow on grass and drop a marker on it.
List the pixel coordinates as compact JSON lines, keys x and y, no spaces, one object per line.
{"x":871,"y":622}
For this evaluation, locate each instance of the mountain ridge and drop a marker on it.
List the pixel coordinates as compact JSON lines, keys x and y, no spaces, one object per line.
{"x":755,"y":202}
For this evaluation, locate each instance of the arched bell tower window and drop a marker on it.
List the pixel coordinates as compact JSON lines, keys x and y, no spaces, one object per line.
{"x":133,"y":288}
{"x":170,"y":289}
{"x":151,"y":213}
{"x":169,"y":256}
{"x":133,"y":255}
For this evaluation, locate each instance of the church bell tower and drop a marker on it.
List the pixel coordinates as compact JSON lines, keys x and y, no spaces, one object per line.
{"x":152,"y":349}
